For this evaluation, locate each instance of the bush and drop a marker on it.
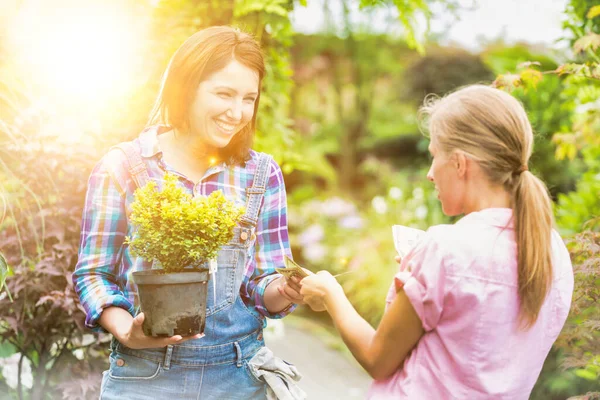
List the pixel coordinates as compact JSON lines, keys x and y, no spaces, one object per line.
{"x":177,"y":229}
{"x":43,"y":339}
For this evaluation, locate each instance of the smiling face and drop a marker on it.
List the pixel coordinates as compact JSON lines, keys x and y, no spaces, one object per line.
{"x":445,"y":173}
{"x":224,"y":104}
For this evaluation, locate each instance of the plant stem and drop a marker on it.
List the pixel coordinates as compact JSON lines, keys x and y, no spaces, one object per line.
{"x":19,"y":386}
{"x":37,"y":392}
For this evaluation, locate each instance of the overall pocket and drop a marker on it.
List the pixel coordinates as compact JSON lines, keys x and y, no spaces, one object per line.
{"x":225,"y":293}
{"x":125,"y":367}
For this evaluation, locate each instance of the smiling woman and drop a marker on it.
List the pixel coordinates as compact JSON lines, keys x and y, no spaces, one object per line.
{"x":77,"y":52}
{"x":200,"y":133}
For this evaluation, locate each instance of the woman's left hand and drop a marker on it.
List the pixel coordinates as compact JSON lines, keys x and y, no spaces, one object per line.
{"x":290,"y":290}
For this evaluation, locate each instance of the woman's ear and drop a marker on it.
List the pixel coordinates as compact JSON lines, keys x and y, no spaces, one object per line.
{"x":460,"y":162}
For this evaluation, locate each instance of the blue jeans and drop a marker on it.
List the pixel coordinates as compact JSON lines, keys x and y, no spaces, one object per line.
{"x":186,"y":371}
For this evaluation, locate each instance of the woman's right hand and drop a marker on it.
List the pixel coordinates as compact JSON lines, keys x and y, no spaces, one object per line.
{"x":128,"y":330}
{"x":134,"y":337}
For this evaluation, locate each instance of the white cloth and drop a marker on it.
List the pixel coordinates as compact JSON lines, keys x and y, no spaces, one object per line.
{"x":280,"y":376}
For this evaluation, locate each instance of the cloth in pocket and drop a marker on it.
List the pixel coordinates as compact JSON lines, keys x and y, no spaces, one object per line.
{"x":280,"y":376}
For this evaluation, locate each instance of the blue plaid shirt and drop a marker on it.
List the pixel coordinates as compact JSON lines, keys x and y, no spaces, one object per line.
{"x":101,"y":277}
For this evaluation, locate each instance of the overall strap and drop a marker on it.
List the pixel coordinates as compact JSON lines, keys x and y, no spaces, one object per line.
{"x":137,"y":168}
{"x":257,"y":191}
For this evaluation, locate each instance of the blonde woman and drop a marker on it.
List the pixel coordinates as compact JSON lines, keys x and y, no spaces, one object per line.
{"x":476,"y":306}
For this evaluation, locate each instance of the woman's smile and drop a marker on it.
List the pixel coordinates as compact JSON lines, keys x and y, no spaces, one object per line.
{"x":225,"y":127}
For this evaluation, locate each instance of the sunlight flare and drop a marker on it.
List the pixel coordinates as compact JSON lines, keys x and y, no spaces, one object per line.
{"x":83,"y":51}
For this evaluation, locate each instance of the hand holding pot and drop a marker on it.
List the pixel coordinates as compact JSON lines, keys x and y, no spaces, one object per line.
{"x":134,"y":337}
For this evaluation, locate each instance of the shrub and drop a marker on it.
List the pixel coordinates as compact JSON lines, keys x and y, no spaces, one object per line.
{"x":177,"y":229}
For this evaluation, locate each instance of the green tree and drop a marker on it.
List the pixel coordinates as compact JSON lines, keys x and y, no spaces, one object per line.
{"x":549,"y":109}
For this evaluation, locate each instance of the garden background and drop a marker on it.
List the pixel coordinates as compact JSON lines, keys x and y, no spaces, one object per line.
{"x":338,"y":112}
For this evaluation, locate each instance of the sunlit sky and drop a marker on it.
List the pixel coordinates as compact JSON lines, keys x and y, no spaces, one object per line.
{"x":535,"y":21}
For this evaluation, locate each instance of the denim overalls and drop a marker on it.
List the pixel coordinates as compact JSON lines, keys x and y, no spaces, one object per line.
{"x":215,"y":366}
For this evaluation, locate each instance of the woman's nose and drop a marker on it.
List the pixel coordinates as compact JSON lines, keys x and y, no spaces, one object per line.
{"x":235,"y":111}
{"x":430,"y":174}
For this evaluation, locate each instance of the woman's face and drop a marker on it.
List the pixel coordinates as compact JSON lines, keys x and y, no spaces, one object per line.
{"x":224,"y":104}
{"x":445,"y":176}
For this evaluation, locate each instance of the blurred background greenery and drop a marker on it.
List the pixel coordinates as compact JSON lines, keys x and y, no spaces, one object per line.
{"x":338,"y":113}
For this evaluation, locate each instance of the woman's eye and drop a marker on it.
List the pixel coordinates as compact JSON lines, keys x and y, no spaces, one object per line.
{"x":223,"y":95}
{"x":250,"y":99}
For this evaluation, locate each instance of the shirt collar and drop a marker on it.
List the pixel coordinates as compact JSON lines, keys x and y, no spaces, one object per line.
{"x":500,"y":217}
{"x":150,"y":147}
{"x":149,"y":140}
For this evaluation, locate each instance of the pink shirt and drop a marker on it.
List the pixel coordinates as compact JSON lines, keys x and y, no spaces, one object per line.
{"x":463,"y":285}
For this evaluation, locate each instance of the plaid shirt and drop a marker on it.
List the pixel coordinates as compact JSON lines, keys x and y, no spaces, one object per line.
{"x":102,"y":275}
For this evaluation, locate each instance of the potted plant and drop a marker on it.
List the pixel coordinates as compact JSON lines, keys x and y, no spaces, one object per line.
{"x":180,"y":235}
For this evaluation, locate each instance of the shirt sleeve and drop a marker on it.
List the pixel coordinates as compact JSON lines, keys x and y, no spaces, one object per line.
{"x":272,"y":245}
{"x":423,"y":277}
{"x":104,"y":227}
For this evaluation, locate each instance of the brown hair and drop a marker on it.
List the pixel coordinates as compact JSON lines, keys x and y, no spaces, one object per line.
{"x":491,"y":127}
{"x":201,"y":55}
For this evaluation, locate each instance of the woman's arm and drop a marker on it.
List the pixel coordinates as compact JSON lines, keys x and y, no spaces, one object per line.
{"x":381,"y":352}
{"x":263,"y":289}
{"x":96,"y":277}
{"x":103,"y":230}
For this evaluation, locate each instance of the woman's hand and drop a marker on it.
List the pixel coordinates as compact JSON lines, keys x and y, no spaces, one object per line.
{"x":315,"y":303}
{"x":319,"y":289}
{"x":133,"y":336}
{"x":290,"y":288}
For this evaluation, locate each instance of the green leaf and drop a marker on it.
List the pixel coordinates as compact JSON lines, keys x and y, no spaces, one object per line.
{"x":276,"y":9}
{"x":586,"y":374}
{"x":589,"y":41}
{"x":531,"y":77}
{"x":4,"y":272}
{"x":7,"y":350}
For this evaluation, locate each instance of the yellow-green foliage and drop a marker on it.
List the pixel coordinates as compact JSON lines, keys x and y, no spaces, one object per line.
{"x":177,"y":229}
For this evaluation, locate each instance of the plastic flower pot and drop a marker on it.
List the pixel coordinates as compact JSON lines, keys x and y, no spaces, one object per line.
{"x":173,"y":303}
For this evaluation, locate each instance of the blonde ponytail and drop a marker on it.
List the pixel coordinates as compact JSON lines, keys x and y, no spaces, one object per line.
{"x":532,"y":213}
{"x":491,"y":127}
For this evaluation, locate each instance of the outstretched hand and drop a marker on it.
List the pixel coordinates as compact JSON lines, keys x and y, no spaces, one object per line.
{"x":134,"y":337}
{"x":315,"y":303}
{"x":319,"y":288}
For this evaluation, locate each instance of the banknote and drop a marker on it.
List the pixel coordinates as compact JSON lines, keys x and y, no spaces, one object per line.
{"x":291,"y":269}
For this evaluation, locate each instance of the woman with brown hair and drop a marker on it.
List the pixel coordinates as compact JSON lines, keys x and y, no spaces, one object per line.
{"x":201,"y":131}
{"x":476,"y":306}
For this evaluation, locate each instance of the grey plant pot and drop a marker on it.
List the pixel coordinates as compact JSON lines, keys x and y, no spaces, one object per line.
{"x":173,"y":303}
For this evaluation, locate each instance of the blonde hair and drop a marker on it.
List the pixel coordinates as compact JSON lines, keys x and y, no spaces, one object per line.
{"x":491,"y":127}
